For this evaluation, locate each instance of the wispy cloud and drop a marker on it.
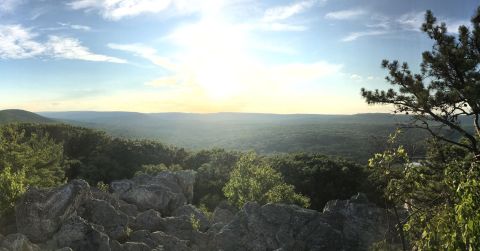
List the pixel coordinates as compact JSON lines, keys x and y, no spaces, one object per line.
{"x":276,"y":18}
{"x":71,"y":48}
{"x":356,"y":77}
{"x":118,"y":9}
{"x":287,"y":11}
{"x":146,"y":53}
{"x":75,"y":26}
{"x":411,"y":20}
{"x":452,"y":26}
{"x":17,"y":42}
{"x":345,"y":14}
{"x":359,"y":78}
{"x":378,"y":24}
{"x":379,"y":21}
{"x":355,"y":35}
{"x":7,"y":6}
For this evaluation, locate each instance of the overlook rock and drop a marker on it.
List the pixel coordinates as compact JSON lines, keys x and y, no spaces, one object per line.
{"x":151,"y":212}
{"x":344,"y":225}
{"x":40,"y":213}
{"x":163,"y":192}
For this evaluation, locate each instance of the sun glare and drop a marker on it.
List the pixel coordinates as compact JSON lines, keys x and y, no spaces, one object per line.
{"x":215,"y":55}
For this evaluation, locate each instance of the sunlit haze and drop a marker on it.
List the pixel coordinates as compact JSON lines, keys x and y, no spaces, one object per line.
{"x":309,"y":56}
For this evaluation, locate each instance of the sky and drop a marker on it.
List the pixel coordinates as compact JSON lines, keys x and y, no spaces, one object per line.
{"x":203,"y":56}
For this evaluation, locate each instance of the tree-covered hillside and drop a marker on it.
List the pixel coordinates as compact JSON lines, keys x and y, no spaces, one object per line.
{"x":97,"y":157}
{"x":355,"y":137}
{"x":15,"y":115}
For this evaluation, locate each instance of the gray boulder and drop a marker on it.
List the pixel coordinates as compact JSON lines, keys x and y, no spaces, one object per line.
{"x":135,"y":246}
{"x":40,"y":213}
{"x":64,"y":249}
{"x":163,"y":192}
{"x":361,"y":222}
{"x":18,"y":242}
{"x":149,"y":220}
{"x":223,"y":213}
{"x":115,"y":245}
{"x":128,"y":209}
{"x":103,"y":213}
{"x":277,"y":226}
{"x":183,"y":228}
{"x":156,"y":239}
{"x":80,"y":235}
{"x":344,"y":225}
{"x":108,"y":197}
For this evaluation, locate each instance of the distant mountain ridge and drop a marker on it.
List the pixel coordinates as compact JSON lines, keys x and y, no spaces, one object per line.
{"x":95,"y":116}
{"x":22,"y":116}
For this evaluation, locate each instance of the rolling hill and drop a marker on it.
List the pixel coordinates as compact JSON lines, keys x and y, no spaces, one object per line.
{"x":22,"y":116}
{"x":355,"y":137}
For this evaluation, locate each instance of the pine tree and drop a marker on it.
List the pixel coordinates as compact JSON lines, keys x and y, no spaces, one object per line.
{"x":446,"y":89}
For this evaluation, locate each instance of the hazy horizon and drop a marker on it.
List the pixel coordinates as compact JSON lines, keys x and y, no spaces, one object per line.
{"x":281,"y":57}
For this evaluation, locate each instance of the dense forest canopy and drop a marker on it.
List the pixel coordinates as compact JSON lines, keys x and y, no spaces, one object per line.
{"x":354,"y":137}
{"x":97,"y":157}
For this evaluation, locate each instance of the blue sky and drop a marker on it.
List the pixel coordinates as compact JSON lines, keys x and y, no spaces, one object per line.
{"x":309,"y":56}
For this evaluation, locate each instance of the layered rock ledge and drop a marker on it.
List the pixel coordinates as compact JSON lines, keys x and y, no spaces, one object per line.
{"x":154,"y":213}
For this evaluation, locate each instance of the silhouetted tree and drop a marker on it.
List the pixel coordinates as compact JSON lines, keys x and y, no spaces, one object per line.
{"x":446,"y":89}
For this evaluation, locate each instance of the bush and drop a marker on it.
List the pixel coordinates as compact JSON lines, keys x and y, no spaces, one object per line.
{"x":27,"y":160}
{"x":253,"y":179}
{"x":12,"y":185}
{"x":154,"y":169}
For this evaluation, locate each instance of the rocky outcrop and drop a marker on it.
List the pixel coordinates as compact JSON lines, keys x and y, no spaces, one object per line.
{"x":40,"y":213}
{"x":361,"y":223}
{"x":103,"y":213}
{"x":158,"y":238}
{"x":152,"y":213}
{"x":344,"y":225}
{"x":17,"y":242}
{"x":223,"y":213}
{"x":272,"y":227}
{"x":80,"y":235}
{"x":163,"y":192}
{"x":149,"y":220}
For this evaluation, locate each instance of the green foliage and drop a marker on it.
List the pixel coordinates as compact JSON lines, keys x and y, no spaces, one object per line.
{"x":253,"y":179}
{"x":37,"y":155}
{"x":204,"y":209}
{"x":442,"y":193}
{"x":212,"y":176}
{"x":446,"y":90}
{"x":321,"y":178}
{"x":26,"y":160}
{"x":94,"y":156}
{"x":21,"y":116}
{"x":12,"y":186}
{"x":103,"y":187}
{"x":154,"y":169}
{"x":195,"y":222}
{"x":285,"y":193}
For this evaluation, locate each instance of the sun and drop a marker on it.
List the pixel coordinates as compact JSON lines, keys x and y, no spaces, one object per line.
{"x":217,"y":79}
{"x":215,"y":54}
